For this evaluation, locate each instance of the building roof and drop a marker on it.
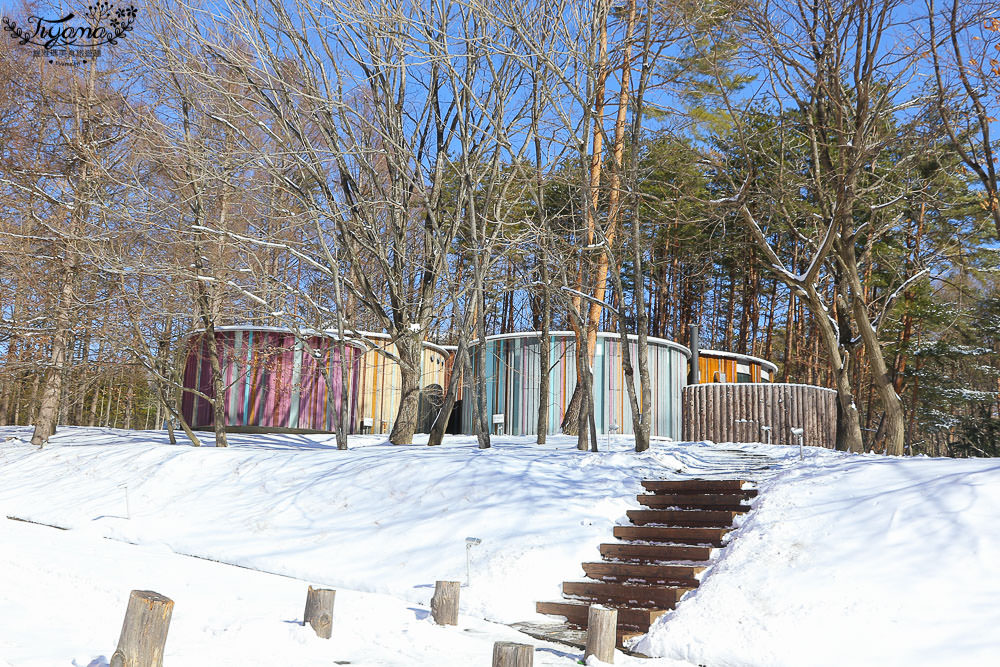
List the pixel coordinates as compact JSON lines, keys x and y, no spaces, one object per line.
{"x":600,"y":334}
{"x":358,"y":338}
{"x":767,"y":365}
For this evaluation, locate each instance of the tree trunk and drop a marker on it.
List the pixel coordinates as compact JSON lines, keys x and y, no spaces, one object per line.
{"x":440,"y":424}
{"x":575,"y":419}
{"x":130,"y":405}
{"x":582,"y":405}
{"x":344,"y":427}
{"x":544,"y":364}
{"x":19,"y":390}
{"x":95,"y":402}
{"x":641,"y":444}
{"x":48,"y":407}
{"x":571,"y":418}
{"x":894,"y":426}
{"x":218,"y":387}
{"x":545,"y":342}
{"x":9,"y":383}
{"x":615,"y":185}
{"x":484,"y":421}
{"x":848,"y":426}
{"x":769,"y":335}
{"x":343,"y":414}
{"x":409,"y":350}
{"x":643,"y":427}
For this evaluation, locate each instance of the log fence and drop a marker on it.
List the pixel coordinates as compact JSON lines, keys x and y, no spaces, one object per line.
{"x":760,"y":412}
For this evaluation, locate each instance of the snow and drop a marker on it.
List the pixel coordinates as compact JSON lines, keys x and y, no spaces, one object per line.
{"x":65,"y":593}
{"x":863,"y":560}
{"x":377,"y":518}
{"x":845,"y":560}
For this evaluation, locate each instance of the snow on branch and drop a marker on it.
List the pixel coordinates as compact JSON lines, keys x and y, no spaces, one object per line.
{"x":580,"y":294}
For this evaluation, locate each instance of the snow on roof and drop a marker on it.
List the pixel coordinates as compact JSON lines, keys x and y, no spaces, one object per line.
{"x":766,"y":384}
{"x":600,"y":334}
{"x":739,"y":357}
{"x":359,"y":339}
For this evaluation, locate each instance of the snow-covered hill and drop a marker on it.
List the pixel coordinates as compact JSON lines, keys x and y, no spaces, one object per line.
{"x":845,"y":560}
{"x":863,"y":560}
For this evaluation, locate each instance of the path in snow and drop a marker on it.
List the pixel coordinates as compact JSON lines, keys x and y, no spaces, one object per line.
{"x":725,"y":462}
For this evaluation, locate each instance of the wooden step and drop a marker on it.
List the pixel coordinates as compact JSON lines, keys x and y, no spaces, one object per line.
{"x":653,"y":553}
{"x":660,"y":557}
{"x":625,"y":595}
{"x":731,"y":496}
{"x":674,"y":535}
{"x":627,"y":634}
{"x":682,"y":575}
{"x":572,"y":635}
{"x":698,"y":518}
{"x":639,"y":618}
{"x":731,"y":503}
{"x":696,"y":486}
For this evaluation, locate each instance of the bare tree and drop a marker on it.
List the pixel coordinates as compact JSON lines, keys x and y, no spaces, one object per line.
{"x":65,"y":191}
{"x":967,"y":86}
{"x":846,"y":69}
{"x":365,"y":119}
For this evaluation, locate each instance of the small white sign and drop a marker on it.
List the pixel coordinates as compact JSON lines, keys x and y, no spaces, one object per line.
{"x":498,"y":419}
{"x":367,"y":421}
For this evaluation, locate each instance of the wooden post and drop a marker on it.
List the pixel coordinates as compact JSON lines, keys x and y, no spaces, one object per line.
{"x":444,"y":604}
{"x":694,"y":376}
{"x":602,"y":625}
{"x":319,"y":611}
{"x":144,"y":631}
{"x":509,"y":654}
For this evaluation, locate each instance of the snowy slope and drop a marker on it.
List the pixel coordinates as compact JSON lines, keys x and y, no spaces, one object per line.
{"x":377,"y":518}
{"x":845,"y":560}
{"x":64,"y":596}
{"x":864,"y":560}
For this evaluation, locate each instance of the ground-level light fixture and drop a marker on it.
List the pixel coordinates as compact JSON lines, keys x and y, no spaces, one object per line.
{"x":800,"y":434}
{"x":613,"y":429}
{"x":469,"y":543}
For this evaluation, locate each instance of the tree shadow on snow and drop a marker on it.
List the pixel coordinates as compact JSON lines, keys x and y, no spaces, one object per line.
{"x":560,"y":654}
{"x":99,"y":661}
{"x":420,"y":614}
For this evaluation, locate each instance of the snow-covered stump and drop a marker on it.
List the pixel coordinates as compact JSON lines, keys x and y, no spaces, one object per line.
{"x":510,"y":654}
{"x":144,"y":631}
{"x":444,"y":604}
{"x":602,"y":624}
{"x":319,"y":611}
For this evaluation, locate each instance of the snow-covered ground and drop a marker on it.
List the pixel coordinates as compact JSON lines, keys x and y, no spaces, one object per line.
{"x":845,"y":560}
{"x":863,"y":560}
{"x":64,"y":596}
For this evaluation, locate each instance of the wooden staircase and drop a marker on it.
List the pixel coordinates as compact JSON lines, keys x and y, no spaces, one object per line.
{"x":659,"y":557}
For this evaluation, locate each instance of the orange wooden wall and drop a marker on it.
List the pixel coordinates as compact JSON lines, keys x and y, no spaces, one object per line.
{"x":709,"y":366}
